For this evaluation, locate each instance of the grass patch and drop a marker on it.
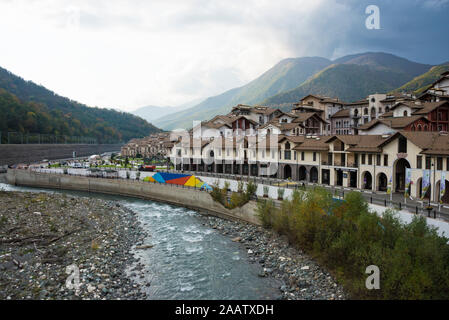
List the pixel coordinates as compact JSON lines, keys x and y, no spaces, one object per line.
{"x":346,"y":237}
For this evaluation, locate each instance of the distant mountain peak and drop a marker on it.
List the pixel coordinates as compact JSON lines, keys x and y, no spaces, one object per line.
{"x":350,"y":78}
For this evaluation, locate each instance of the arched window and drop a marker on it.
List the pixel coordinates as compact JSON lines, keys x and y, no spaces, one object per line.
{"x":387,"y":109}
{"x":425,"y":127}
{"x":287,"y":146}
{"x":365,"y":111}
{"x":373,"y":112}
{"x":405,"y":113}
{"x":419,"y":127}
{"x":356,"y":112}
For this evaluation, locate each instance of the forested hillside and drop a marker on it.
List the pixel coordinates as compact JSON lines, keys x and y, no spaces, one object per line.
{"x":28,"y":107}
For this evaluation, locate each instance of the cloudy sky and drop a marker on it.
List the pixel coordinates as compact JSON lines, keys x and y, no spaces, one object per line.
{"x":127,"y":54}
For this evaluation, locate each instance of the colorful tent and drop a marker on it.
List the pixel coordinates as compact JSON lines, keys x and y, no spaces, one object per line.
{"x":179,"y":179}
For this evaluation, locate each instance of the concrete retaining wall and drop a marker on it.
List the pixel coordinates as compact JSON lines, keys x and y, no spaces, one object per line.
{"x":186,"y":197}
{"x":27,"y":153}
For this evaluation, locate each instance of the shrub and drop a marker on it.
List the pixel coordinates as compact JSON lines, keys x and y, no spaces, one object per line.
{"x":346,"y":237}
{"x":265,"y":191}
{"x":238,"y":199}
{"x":251,"y":189}
{"x":281,"y":193}
{"x":265,"y":211}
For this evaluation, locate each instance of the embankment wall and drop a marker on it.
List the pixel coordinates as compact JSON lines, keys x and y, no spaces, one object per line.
{"x":170,"y":193}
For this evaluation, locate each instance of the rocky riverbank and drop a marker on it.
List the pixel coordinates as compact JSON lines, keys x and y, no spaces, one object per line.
{"x":302,"y":278}
{"x":41,"y":234}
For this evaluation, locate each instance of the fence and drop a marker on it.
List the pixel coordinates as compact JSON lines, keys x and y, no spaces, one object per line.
{"x":40,"y":138}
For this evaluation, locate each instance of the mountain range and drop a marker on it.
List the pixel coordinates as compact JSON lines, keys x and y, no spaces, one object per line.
{"x":28,"y":107}
{"x":350,"y":78}
{"x":151,"y":113}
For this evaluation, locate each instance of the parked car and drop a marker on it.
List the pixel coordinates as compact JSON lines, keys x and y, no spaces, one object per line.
{"x":146,"y":167}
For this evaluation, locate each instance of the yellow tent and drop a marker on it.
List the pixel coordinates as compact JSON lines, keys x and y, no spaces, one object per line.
{"x":191,"y":182}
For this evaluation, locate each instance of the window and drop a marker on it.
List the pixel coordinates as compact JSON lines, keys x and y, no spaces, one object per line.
{"x":294,"y":153}
{"x":185,"y":151}
{"x":385,"y":159}
{"x":263,"y":153}
{"x":405,"y":113}
{"x":419,"y":162}
{"x":428,"y":162}
{"x":380,"y":110}
{"x":378,"y":162}
{"x":439,"y":163}
{"x":370,"y":159}
{"x":227,"y":152}
{"x":314,"y":156}
{"x":356,"y":112}
{"x":402,"y":145}
{"x":287,"y":155}
{"x":365,"y":111}
{"x":302,"y":155}
{"x":363,"y":158}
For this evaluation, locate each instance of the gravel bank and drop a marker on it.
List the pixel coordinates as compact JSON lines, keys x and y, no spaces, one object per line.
{"x":302,"y":278}
{"x":41,"y":234}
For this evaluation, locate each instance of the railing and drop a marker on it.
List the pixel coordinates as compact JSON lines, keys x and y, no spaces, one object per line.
{"x":40,"y":138}
{"x":339,"y":192}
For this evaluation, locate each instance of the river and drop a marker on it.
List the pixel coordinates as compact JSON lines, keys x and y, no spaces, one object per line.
{"x":188,"y":260}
